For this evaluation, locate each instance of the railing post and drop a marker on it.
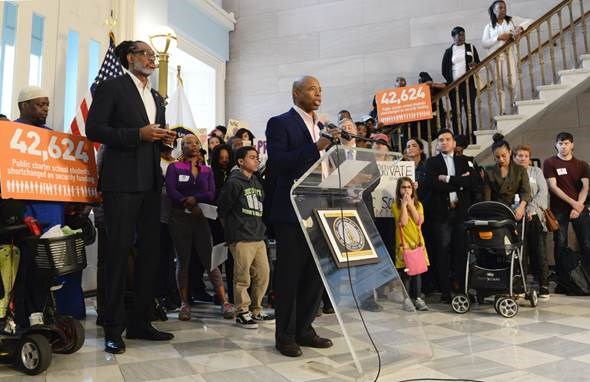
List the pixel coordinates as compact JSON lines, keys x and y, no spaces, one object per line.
{"x":519,"y":71}
{"x":479,"y":108}
{"x":489,"y":93}
{"x":541,"y":53}
{"x":573,"y":33}
{"x":530,"y":60}
{"x":438,"y":123}
{"x":457,"y":111}
{"x":500,"y":91}
{"x":584,"y":31}
{"x":511,"y":79}
{"x":562,"y":41}
{"x":552,"y":51}
{"x":449,"y":111}
{"x":468,"y":110}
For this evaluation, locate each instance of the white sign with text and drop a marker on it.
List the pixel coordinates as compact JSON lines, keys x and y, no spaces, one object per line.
{"x":384,"y":194}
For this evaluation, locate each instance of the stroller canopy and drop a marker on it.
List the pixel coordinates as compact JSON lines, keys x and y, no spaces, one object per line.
{"x":490,"y":211}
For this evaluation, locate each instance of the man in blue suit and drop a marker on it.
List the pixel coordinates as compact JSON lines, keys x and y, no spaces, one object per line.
{"x":294,"y":143}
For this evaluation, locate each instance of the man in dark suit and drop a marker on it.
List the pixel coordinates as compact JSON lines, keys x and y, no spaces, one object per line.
{"x":449,"y":181}
{"x":127,"y":116}
{"x":294,"y":144}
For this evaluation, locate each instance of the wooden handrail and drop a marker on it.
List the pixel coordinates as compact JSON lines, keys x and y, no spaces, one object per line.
{"x":470,"y":73}
{"x":547,"y":42}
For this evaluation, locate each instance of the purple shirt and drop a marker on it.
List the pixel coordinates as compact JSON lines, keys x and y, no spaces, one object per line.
{"x":181,"y":183}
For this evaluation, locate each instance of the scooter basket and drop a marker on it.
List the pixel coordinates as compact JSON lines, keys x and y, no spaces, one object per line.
{"x":60,"y":255}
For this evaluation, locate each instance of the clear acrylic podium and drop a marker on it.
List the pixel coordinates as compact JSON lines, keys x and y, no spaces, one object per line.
{"x":332,"y":201}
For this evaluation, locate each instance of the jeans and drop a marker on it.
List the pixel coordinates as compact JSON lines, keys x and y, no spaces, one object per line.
{"x":536,"y":251}
{"x":581,"y":227}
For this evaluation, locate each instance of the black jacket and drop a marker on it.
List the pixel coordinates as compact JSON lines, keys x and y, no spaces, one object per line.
{"x":447,"y":63}
{"x":240,"y":207}
{"x":438,"y":199}
{"x":114,"y":119}
{"x":291,"y":151}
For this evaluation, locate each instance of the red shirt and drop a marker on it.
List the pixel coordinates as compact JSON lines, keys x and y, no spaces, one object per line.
{"x":568,"y":174}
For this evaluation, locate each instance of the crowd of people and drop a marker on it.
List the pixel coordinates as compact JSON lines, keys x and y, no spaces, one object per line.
{"x":157,"y":232}
{"x":460,"y":59}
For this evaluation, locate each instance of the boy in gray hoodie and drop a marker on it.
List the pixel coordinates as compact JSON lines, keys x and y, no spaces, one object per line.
{"x":240,"y":211}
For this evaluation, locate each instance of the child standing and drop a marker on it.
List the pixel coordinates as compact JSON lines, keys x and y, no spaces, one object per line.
{"x":240,"y":210}
{"x":409,"y":216}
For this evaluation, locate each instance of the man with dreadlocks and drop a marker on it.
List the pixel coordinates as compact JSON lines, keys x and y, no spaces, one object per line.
{"x":127,"y":117}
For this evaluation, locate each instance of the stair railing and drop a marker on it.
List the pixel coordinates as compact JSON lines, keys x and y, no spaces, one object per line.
{"x":552,"y":42}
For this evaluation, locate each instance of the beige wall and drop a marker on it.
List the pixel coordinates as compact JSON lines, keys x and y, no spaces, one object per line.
{"x":353,"y":46}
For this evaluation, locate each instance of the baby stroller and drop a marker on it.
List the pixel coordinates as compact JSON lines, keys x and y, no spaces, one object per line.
{"x":28,"y":342}
{"x":494,"y":260}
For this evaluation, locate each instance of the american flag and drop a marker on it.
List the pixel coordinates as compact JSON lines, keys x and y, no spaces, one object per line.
{"x":110,"y":68}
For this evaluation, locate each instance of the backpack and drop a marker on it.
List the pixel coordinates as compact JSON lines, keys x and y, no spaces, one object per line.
{"x":572,"y":276}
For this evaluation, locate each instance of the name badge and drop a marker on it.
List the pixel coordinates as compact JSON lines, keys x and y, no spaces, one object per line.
{"x":183,"y":178}
{"x":470,"y":163}
{"x":532,"y":180}
{"x":561,"y":171}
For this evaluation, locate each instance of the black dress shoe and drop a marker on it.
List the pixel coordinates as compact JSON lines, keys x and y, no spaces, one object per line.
{"x":289,"y":349}
{"x":315,"y":342}
{"x":114,"y":346}
{"x":149,"y":333}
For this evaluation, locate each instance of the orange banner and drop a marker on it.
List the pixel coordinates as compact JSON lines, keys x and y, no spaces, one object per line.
{"x":41,"y":164}
{"x":399,"y":105}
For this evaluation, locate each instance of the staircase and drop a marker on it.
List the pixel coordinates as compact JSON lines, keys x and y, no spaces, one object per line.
{"x":553,"y":67}
{"x":571,"y":82}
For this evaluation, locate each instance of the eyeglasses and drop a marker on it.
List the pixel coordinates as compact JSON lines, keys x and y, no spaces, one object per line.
{"x":147,"y":54}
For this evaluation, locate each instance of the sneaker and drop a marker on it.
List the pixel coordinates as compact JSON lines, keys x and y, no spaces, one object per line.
{"x":185,"y":313}
{"x":408,"y":305}
{"x":371,"y":305}
{"x":544,"y":293}
{"x":245,"y":321}
{"x":263,"y":317}
{"x":227,"y":310}
{"x":420,"y":305}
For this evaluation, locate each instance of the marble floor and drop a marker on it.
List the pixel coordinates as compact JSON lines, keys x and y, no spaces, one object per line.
{"x":543,"y":344}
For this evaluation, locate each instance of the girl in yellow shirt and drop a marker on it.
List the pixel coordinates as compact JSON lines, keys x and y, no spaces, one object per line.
{"x":409,"y":215}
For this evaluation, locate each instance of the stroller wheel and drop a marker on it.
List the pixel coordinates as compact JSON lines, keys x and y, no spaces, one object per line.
{"x":532,"y":297}
{"x":496,"y":301}
{"x":33,"y":354}
{"x":460,"y":304}
{"x":507,"y":307}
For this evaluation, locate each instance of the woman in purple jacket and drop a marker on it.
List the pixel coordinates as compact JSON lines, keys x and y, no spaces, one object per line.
{"x":189,"y":183}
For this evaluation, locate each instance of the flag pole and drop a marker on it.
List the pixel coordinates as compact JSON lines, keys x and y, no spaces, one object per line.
{"x":178,"y":77}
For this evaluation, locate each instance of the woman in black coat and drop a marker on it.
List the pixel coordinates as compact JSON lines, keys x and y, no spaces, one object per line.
{"x":458,"y":60}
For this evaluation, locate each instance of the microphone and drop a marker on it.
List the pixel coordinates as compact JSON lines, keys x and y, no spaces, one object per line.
{"x":329,"y":125}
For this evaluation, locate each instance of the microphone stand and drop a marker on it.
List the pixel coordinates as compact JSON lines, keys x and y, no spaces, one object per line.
{"x":347,"y":135}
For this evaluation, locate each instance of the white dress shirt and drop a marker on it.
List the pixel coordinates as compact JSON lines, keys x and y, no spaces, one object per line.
{"x":490,"y":33}
{"x":145,"y":92}
{"x":453,"y":197}
{"x":311,"y":121}
{"x":459,"y":62}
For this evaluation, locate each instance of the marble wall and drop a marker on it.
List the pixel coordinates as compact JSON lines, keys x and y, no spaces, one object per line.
{"x":352,"y":46}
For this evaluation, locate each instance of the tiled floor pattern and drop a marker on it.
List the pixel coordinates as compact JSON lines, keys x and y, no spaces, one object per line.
{"x":543,"y":344}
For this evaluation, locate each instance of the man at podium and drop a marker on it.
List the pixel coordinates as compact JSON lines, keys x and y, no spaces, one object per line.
{"x":294,"y":144}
